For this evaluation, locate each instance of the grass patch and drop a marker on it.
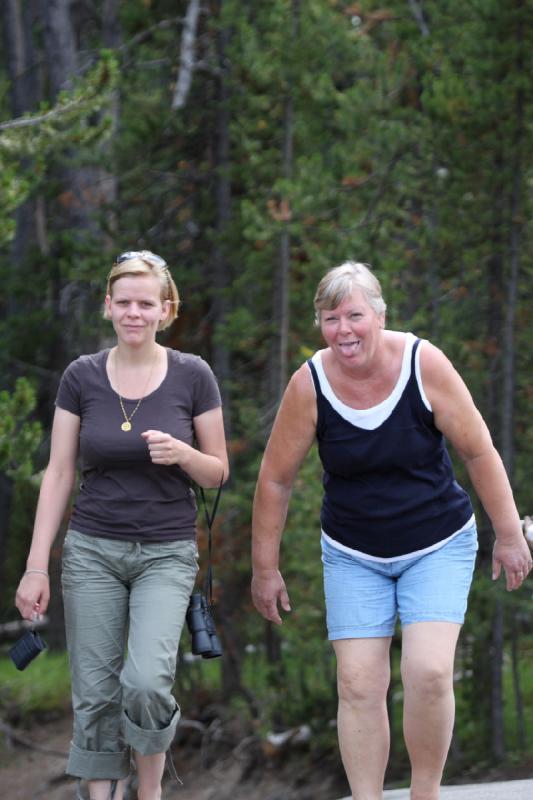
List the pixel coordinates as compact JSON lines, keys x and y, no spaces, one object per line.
{"x":42,"y":688}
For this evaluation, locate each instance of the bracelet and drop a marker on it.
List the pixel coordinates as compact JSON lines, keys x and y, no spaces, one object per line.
{"x":37,"y":571}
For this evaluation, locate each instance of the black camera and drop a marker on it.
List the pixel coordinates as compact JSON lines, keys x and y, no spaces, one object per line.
{"x":26,"y":649}
{"x":205,"y":641}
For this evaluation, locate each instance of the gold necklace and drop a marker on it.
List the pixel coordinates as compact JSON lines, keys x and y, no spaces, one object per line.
{"x":126,"y":425}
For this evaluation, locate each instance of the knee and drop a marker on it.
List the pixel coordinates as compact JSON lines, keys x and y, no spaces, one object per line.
{"x":431,"y":678}
{"x":140,"y":695}
{"x":358,"y":687}
{"x":142,"y":688}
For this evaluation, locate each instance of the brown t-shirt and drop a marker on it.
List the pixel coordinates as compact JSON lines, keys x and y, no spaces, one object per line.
{"x":123,"y":495}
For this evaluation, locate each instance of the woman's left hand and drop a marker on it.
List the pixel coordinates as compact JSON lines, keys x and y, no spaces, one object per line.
{"x":164,"y":449}
{"x":515,"y":558}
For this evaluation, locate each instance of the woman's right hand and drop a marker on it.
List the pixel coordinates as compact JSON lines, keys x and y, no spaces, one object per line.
{"x":267,"y":588}
{"x":33,"y":595}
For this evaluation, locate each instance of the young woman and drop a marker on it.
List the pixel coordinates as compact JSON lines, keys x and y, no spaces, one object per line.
{"x":147,"y":423}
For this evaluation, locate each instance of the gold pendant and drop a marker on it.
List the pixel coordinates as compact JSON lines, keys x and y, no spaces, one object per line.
{"x":126,"y":426}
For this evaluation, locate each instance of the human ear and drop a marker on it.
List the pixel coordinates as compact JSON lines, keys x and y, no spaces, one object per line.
{"x":165,"y":310}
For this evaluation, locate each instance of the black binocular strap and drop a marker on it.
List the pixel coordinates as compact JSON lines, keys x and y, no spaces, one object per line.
{"x":209,"y":518}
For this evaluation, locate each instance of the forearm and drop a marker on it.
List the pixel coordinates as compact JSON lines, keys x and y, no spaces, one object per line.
{"x":490,"y":481}
{"x":270,"y":507}
{"x":204,"y":469}
{"x":53,"y":498}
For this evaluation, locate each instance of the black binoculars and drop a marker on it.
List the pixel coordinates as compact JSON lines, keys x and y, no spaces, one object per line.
{"x":26,"y":649}
{"x":205,"y":641}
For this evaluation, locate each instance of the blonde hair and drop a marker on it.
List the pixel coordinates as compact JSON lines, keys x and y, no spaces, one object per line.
{"x":340,"y":282}
{"x":144,"y":262}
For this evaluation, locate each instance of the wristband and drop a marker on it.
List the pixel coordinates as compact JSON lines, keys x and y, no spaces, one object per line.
{"x":37,"y":572}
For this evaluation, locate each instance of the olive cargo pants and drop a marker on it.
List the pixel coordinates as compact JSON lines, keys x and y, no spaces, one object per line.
{"x":123,"y":597}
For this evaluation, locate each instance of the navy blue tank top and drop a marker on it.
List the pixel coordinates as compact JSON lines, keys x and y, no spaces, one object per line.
{"x":389,"y":488}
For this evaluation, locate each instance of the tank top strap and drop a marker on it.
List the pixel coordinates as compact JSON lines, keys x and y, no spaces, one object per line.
{"x":320,"y":399}
{"x":314,"y":375}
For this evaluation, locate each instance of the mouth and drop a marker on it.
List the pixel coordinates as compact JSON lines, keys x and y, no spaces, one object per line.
{"x":349,"y":348}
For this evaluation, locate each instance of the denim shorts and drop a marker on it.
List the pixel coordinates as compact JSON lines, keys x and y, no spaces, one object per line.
{"x":364,"y":597}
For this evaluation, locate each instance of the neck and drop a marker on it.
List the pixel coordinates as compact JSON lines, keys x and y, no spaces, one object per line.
{"x":136,"y":356}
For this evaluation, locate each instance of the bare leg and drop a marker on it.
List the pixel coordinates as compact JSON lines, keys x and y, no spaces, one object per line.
{"x":428,"y":650}
{"x":150,"y":773}
{"x":101,"y":790}
{"x":363,"y":675}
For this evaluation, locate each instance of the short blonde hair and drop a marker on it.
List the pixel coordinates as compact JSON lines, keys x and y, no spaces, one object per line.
{"x":144,"y":262}
{"x":340,"y":282}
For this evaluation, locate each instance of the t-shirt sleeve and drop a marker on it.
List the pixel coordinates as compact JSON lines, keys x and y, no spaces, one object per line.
{"x":68,"y":395}
{"x":206,"y":395}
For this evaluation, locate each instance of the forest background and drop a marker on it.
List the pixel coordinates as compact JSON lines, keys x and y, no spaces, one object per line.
{"x":253,"y":146}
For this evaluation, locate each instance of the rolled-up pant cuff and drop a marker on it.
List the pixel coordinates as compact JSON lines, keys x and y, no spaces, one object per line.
{"x":94,"y":765}
{"x":150,"y":742}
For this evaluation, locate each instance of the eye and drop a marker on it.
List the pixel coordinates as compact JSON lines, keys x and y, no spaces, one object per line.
{"x":330,"y":318}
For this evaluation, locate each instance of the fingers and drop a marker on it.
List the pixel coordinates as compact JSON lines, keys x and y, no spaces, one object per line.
{"x":271,"y":613}
{"x":160,"y":446}
{"x":516,"y":560}
{"x":514,"y":578}
{"x":32,"y":597}
{"x":152,"y":437}
{"x":517,"y":578}
{"x":284,"y":600}
{"x":265,"y":595}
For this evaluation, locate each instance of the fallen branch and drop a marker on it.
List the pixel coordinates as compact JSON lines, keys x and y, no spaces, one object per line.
{"x":14,"y":736}
{"x":12,"y":630}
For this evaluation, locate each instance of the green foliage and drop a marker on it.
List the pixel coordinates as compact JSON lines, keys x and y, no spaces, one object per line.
{"x":19,"y":436}
{"x":411,"y":150}
{"x":41,"y":689}
{"x":77,"y":119}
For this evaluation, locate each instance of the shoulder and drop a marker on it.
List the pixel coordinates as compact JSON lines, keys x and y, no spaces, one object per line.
{"x":301,"y":383}
{"x":445,"y":389}
{"x":193,"y":378}
{"x":188,"y":361}
{"x":82,"y":377}
{"x":435,"y":366}
{"x":299,"y":399}
{"x":87,"y":362}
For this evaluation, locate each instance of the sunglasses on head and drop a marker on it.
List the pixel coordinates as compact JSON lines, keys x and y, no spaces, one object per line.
{"x":145,"y":255}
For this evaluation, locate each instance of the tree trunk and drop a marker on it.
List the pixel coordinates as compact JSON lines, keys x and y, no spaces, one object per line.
{"x":112,"y":39}
{"x":517,"y":688}
{"x":21,"y":62}
{"x":498,"y":738}
{"x":494,"y":338}
{"x":222,"y":276}
{"x":509,"y":349}
{"x":281,"y":309}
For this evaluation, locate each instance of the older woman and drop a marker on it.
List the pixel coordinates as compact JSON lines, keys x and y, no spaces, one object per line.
{"x":147,"y":422}
{"x":398,"y":532}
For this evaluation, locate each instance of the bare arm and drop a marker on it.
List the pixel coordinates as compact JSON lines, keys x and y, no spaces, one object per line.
{"x":33,"y":593}
{"x":205,"y":464}
{"x":461,"y":423}
{"x":290,"y":440}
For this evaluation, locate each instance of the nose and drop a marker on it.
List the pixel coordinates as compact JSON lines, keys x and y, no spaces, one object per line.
{"x":344,"y":325}
{"x":133,"y":310}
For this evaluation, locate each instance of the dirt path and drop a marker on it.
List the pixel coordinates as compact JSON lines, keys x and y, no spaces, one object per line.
{"x":29,"y":774}
{"x":26,"y":774}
